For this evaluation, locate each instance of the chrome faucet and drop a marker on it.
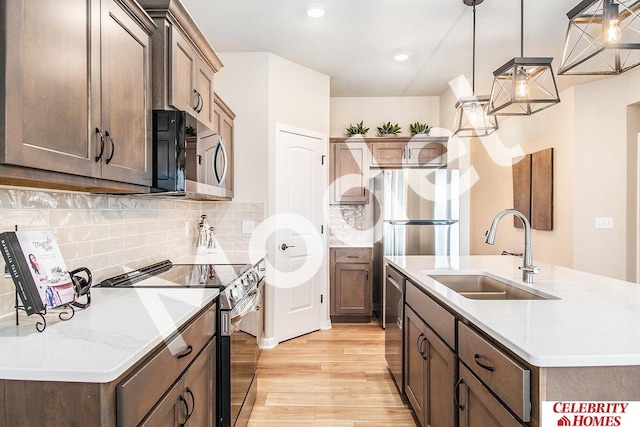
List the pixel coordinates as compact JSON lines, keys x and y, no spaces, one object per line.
{"x":528,"y":269}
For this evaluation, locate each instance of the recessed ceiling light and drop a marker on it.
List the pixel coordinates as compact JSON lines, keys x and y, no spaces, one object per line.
{"x":316,"y":10}
{"x":401,"y":56}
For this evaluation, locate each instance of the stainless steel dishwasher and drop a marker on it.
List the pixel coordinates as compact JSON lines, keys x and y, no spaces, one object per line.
{"x":394,"y":318}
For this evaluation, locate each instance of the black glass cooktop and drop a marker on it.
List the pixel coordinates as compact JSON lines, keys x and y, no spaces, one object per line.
{"x":169,"y":275}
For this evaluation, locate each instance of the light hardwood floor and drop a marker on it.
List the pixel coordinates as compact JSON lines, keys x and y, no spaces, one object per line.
{"x":337,"y":377}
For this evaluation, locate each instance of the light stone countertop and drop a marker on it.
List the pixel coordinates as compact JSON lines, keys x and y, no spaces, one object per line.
{"x":594,"y":322}
{"x":100,"y":343}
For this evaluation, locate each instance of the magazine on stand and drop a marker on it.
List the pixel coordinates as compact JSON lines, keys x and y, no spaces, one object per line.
{"x":37,"y":268}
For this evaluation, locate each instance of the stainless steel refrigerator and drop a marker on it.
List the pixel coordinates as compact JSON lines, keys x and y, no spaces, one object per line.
{"x":416,"y":212}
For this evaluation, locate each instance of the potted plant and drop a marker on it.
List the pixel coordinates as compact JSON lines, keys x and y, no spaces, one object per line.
{"x":418,"y":128}
{"x":388,"y":129}
{"x":357,"y":129}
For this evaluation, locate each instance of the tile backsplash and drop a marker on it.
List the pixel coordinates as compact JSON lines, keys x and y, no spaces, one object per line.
{"x":349,"y":225}
{"x":106,"y":232}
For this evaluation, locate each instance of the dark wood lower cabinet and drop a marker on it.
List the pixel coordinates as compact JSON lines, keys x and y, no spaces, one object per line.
{"x":430,"y":373}
{"x":191,"y":400}
{"x":477,"y":407}
{"x":351,"y":278}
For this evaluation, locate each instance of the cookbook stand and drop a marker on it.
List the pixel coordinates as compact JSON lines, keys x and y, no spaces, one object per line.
{"x":41,"y":325}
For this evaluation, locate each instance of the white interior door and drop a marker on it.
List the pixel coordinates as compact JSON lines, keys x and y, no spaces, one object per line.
{"x":300,"y":247}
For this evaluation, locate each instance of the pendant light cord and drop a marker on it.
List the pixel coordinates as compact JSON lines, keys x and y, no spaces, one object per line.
{"x":522,"y":28}
{"x":473,"y":68}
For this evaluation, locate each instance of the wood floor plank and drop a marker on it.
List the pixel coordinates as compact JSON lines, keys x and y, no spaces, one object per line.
{"x":337,"y":377}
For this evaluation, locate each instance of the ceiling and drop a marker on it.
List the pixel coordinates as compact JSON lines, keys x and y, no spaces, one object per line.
{"x":355,"y":42}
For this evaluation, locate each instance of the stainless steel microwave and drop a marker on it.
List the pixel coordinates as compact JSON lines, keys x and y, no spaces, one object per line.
{"x":189,"y":159}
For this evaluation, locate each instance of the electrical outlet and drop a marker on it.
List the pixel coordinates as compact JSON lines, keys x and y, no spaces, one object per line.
{"x":248,"y":227}
{"x":604,"y":222}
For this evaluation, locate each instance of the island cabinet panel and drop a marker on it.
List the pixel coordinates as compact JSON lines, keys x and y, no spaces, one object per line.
{"x":430,"y":372}
{"x":77,"y":96}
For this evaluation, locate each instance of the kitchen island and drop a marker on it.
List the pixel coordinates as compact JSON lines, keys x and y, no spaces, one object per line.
{"x":68,"y":374}
{"x":579,"y":342}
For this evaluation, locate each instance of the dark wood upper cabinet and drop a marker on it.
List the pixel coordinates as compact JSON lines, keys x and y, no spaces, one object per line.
{"x":76,"y":88}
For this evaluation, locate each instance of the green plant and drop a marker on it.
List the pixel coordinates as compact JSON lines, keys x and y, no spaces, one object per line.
{"x":358,"y":129}
{"x":388,"y":128}
{"x":418,"y":127}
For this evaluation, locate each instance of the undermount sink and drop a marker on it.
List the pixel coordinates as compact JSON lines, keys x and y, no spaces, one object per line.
{"x":478,"y":286}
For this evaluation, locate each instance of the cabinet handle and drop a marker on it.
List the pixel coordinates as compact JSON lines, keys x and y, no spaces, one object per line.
{"x":187,"y":351}
{"x":99,"y":156}
{"x":403,"y":154}
{"x":113,"y":147}
{"x":201,"y":102}
{"x":193,"y":404}
{"x":409,"y":151}
{"x":483,"y":366}
{"x":197,"y":100}
{"x":186,"y":407}
{"x":352,"y":256}
{"x":421,"y":340}
{"x":456,"y":394}
{"x":366,"y":276}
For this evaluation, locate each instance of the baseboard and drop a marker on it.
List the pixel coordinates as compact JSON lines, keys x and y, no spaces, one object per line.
{"x":268,"y":343}
{"x":327,"y":325}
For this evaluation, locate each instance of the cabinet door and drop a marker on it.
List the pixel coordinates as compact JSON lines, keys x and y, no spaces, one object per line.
{"x":199,"y":389}
{"x":441,"y":374}
{"x":204,"y":89}
{"x":427,"y":153}
{"x":348,"y":173}
{"x":126,"y":112}
{"x":182,"y":84}
{"x":477,"y":407}
{"x":352,"y":291}
{"x":52,"y":86}
{"x":415,"y":367}
{"x":171,"y":411}
{"x":388,"y":154}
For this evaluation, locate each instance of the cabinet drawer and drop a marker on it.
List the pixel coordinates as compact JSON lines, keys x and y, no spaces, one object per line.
{"x":439,"y":319}
{"x":359,"y":255}
{"x":137,"y":394}
{"x":509,"y":380}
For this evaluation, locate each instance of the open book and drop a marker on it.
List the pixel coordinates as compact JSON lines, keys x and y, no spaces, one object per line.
{"x":37,"y":268}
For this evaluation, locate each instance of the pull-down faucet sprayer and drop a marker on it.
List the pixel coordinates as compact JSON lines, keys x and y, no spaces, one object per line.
{"x":528,"y":269}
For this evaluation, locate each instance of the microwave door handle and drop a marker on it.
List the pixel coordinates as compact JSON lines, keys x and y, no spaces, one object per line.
{"x":220,"y":150}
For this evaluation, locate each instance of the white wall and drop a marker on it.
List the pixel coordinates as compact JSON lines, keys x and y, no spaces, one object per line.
{"x":243,"y":83}
{"x":264,"y":90}
{"x":376,"y":110}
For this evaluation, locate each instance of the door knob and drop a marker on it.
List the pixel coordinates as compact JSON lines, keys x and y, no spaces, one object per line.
{"x":284,"y":246}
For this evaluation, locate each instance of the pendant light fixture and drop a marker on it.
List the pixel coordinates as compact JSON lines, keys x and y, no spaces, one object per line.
{"x":524,"y":85}
{"x":471,"y":118}
{"x":603,"y":38}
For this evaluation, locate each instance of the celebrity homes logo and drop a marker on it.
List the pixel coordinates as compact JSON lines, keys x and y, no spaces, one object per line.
{"x":590,"y":414}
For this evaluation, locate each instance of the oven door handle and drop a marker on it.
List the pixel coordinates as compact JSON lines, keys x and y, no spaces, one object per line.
{"x":235,"y":320}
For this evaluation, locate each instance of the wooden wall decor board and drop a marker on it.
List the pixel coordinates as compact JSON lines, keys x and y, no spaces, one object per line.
{"x":522,"y":189}
{"x":542,"y":190}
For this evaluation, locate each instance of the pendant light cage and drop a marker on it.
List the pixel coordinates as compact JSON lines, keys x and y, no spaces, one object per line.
{"x":524,"y":85}
{"x":471,"y":119}
{"x":603,"y":38}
